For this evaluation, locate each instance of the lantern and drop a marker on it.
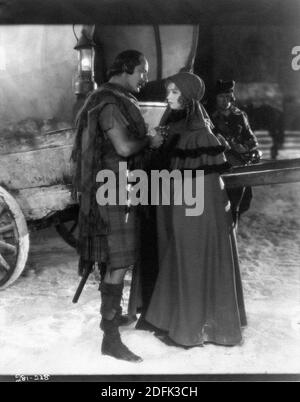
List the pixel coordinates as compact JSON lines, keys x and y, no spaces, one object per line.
{"x":85,"y":79}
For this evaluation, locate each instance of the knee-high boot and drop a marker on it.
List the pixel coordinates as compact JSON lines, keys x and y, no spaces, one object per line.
{"x":110,"y":305}
{"x":122,"y":319}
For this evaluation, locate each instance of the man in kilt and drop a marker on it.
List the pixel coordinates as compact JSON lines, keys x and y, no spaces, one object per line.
{"x":110,"y":130}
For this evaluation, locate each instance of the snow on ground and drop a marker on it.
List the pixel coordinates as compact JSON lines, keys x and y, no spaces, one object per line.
{"x":43,"y":332}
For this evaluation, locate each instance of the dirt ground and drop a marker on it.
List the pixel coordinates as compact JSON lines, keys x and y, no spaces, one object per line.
{"x":42,"y":331}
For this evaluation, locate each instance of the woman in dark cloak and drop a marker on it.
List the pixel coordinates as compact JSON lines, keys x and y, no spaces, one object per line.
{"x":198,"y":295}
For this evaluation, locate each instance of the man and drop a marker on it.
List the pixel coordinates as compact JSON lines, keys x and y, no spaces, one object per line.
{"x":232,"y":123}
{"x":110,"y":130}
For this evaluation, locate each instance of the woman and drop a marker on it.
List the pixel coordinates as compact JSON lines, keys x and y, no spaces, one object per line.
{"x":198,"y":295}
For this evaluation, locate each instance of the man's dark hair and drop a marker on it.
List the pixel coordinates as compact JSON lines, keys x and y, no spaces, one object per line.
{"x":125,"y":62}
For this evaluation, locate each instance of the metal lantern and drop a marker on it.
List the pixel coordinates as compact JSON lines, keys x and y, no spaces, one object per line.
{"x":85,"y":79}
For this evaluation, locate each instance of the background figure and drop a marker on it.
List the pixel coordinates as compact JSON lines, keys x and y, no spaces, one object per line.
{"x":110,"y":130}
{"x":242,"y":146}
{"x":198,"y":295}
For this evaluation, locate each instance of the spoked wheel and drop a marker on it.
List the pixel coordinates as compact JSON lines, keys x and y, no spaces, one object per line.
{"x":67,"y":225}
{"x":14,"y":240}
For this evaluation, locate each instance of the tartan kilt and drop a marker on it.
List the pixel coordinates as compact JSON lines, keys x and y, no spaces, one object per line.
{"x":120,"y":247}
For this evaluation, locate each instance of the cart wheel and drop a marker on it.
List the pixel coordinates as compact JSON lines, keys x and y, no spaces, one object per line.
{"x":67,"y":231}
{"x":67,"y":226}
{"x":14,"y":240}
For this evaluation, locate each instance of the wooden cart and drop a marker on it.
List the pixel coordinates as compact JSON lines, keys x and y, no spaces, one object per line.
{"x":34,"y":193}
{"x":35,"y":188}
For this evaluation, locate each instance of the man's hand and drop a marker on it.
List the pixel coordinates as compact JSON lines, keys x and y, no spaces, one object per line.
{"x":152,"y":133}
{"x":156,"y":139}
{"x":240,"y":148}
{"x":223,"y":141}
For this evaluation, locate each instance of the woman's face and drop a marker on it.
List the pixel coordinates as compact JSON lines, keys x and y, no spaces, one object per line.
{"x":173,"y":97}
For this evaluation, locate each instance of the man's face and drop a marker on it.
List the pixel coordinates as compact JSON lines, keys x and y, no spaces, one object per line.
{"x":139,"y":77}
{"x":224,"y":101}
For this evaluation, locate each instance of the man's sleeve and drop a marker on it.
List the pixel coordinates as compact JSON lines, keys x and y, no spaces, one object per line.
{"x":110,"y":116}
{"x":248,"y":135}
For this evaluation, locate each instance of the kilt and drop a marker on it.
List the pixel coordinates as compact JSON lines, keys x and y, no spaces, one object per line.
{"x":120,"y":247}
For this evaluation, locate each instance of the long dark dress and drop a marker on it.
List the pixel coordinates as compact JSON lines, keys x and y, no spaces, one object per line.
{"x":198,"y":293}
